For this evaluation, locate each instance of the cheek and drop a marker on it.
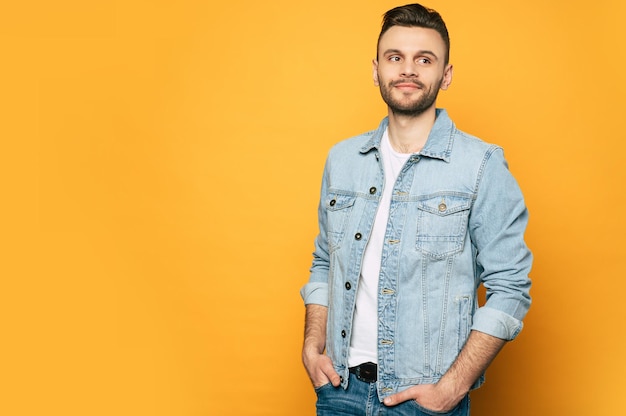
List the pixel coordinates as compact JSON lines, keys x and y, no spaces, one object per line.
{"x":381,"y":79}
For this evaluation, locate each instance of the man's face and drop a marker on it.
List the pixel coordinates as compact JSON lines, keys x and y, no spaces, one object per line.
{"x":411,"y":69}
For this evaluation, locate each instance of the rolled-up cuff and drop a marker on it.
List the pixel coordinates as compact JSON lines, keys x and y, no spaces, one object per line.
{"x":315,"y":293}
{"x":496,"y":323}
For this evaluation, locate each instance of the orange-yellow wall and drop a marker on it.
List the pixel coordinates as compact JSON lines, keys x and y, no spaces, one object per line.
{"x":160,"y":167}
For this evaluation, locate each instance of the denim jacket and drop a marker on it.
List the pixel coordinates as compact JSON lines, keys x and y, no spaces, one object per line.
{"x":457,"y":219}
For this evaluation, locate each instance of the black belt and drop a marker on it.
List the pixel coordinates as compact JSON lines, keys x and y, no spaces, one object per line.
{"x":367,"y":372}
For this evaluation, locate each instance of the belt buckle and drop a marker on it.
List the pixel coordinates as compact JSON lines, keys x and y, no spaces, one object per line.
{"x":367,"y":372}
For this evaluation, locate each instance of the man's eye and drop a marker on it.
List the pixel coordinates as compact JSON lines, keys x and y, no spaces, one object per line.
{"x":394,"y":58}
{"x":423,"y":61}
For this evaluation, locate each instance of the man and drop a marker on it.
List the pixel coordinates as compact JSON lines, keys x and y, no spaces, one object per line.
{"x":413,"y":217}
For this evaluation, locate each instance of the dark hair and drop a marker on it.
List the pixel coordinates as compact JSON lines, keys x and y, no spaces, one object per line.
{"x":416,"y":15}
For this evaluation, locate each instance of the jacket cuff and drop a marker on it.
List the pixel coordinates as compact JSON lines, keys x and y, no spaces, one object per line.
{"x":496,"y":323}
{"x":315,"y":293}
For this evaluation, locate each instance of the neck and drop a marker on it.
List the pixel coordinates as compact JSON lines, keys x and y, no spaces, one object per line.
{"x":408,"y":134}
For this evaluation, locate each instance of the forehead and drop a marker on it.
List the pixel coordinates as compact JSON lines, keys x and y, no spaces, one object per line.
{"x":410,"y":39}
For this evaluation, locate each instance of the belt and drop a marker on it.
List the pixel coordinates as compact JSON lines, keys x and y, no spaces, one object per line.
{"x":367,"y":372}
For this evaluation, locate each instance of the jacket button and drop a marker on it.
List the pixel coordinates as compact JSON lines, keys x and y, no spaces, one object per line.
{"x":357,"y":236}
{"x":332,"y":202}
{"x":343,"y":334}
{"x":372,"y":190}
{"x":348,"y":286}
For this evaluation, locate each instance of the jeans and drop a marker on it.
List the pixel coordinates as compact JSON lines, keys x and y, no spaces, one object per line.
{"x":361,"y":399}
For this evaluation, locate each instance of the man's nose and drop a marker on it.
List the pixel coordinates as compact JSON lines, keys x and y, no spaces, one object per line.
{"x":409,"y":69}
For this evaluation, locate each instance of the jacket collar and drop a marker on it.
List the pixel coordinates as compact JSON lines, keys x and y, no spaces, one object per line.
{"x":438,"y":145}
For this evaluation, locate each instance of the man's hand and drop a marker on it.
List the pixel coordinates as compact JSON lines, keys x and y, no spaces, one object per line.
{"x":320,"y":369}
{"x":430,"y":396}
{"x":476,"y":355}
{"x":317,"y":364}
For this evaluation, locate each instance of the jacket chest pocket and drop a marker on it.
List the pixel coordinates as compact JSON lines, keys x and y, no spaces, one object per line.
{"x":442,"y":224}
{"x":338,"y":208}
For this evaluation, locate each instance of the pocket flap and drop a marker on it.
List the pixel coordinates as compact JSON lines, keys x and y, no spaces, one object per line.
{"x":335,"y":201}
{"x":445,"y":204}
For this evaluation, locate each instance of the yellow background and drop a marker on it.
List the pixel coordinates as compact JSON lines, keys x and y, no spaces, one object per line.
{"x":160,"y":167}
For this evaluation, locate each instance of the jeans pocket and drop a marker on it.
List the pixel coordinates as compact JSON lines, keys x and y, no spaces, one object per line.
{"x":460,"y":409}
{"x":323,"y":388}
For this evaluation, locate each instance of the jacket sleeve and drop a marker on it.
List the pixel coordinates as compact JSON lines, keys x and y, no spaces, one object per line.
{"x":497,"y":225}
{"x":316,"y":290}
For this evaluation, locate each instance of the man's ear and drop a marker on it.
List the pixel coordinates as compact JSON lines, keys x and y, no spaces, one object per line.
{"x":447,"y":77}
{"x":375,"y":72}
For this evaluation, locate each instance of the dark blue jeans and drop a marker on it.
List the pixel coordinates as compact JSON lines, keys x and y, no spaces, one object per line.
{"x":361,"y":399}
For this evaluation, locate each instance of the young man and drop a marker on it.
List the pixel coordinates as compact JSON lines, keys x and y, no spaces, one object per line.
{"x":413,"y":217}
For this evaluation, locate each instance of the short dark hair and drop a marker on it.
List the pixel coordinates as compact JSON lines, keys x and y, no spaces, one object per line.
{"x":415,"y":15}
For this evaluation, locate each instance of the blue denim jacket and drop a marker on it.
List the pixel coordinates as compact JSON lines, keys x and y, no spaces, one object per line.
{"x":457,"y":219}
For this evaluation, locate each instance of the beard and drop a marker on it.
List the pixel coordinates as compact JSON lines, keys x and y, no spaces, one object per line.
{"x":410,"y":107}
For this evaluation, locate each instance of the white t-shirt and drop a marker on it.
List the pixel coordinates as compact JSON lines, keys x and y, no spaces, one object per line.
{"x":363,"y":344}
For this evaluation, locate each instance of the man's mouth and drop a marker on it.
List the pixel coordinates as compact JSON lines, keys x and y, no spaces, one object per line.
{"x":412,"y":85}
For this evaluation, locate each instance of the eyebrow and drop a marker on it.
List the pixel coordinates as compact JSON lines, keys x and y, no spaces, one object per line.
{"x":399,"y":52}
